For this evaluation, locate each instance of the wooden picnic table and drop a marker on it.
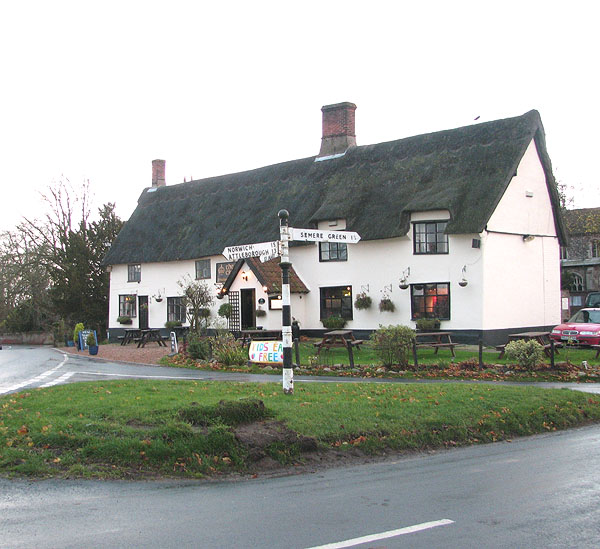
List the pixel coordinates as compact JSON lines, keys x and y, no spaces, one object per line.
{"x":543,"y":338}
{"x":151,"y":334}
{"x":435,"y":340}
{"x":338,"y":338}
{"x":131,"y":334}
{"x":248,"y":336}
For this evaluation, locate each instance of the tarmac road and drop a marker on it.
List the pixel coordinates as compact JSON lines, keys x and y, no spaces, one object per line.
{"x":540,"y":491}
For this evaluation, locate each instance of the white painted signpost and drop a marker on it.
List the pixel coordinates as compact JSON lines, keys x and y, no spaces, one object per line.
{"x":262,"y":249}
{"x":270,"y":250}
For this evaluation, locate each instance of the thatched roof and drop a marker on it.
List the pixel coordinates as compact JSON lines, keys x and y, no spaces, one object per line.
{"x":582,"y":221}
{"x":373,"y":187}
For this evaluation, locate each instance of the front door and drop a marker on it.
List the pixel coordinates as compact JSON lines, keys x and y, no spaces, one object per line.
{"x":247,"y":308}
{"x":143,"y":311}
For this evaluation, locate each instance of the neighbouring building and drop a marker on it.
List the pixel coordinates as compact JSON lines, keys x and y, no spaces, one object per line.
{"x":462,"y":225}
{"x":580,"y":260}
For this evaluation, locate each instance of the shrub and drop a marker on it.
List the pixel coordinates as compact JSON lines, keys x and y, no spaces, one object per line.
{"x":225,"y":310}
{"x":91,"y":339}
{"x":526,"y":353}
{"x":334,"y":322}
{"x":428,"y":324}
{"x":198,"y":348}
{"x":228,"y":351}
{"x":260,"y":312}
{"x":78,"y":327}
{"x":362,"y":301}
{"x":124,"y":320}
{"x":393,"y":344}
{"x":228,"y":412}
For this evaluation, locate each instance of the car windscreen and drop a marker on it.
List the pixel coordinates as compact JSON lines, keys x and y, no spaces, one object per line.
{"x":586,"y":317}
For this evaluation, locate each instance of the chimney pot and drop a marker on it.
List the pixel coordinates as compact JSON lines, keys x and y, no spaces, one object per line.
{"x":158,"y":173}
{"x":338,"y":128}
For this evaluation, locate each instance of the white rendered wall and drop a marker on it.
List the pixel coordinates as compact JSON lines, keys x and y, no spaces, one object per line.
{"x":522,"y":279}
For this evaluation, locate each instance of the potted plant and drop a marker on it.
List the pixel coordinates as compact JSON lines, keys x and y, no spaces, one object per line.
{"x":334,"y":322}
{"x":386,"y":304}
{"x":92,"y":343}
{"x":124,"y":320}
{"x":260,"y":312}
{"x":78,"y":328}
{"x":362,"y":301}
{"x":428,"y":324}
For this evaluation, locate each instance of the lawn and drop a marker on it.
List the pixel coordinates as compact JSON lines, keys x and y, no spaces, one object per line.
{"x":150,"y":429}
{"x":568,"y":364}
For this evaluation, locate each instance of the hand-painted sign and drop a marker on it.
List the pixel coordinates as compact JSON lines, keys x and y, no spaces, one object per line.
{"x":223,"y":271}
{"x":315,"y":235}
{"x":268,"y":352}
{"x":252,"y":250}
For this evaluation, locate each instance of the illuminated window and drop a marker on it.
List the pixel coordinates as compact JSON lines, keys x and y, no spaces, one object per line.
{"x":336,"y":301}
{"x":127,"y":305}
{"x":430,"y":300}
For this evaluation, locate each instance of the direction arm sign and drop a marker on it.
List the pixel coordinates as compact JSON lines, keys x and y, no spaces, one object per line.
{"x":261,"y":249}
{"x":315,"y":235}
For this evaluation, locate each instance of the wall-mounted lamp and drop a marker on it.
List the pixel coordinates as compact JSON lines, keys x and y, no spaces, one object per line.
{"x":265,"y":289}
{"x":463,"y":282}
{"x":528,"y":237}
{"x":403,"y":280}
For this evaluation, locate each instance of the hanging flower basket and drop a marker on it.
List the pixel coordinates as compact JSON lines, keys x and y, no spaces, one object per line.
{"x":386,"y":304}
{"x":363,"y":301}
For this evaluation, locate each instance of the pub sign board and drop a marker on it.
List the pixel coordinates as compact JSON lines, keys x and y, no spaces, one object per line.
{"x":224,"y":270}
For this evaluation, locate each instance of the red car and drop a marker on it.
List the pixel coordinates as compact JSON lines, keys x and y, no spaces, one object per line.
{"x":583,"y":328}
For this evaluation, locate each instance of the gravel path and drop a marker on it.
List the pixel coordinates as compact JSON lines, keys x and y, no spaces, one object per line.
{"x":150,"y":354}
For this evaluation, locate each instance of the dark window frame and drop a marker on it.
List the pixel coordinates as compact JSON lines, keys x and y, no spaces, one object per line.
{"x":134,"y":272}
{"x":421,"y":308}
{"x":204,"y":271}
{"x":330,"y":296}
{"x":176,"y":310}
{"x":333,"y":251}
{"x":128,"y":305}
{"x":423,"y":244}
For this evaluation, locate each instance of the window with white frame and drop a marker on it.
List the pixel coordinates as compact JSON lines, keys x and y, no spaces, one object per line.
{"x":202,"y":269}
{"x":134,"y":272}
{"x":175,"y":309}
{"x":127,"y":305}
{"x":576,"y":284}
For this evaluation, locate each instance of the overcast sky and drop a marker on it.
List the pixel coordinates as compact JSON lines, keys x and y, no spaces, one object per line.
{"x":97,"y":90}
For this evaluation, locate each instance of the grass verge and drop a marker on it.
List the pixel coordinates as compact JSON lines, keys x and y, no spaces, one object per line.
{"x":147,"y":429}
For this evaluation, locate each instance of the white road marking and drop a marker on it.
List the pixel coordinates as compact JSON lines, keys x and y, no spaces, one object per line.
{"x":58,"y":380}
{"x":132,"y":376}
{"x":385,"y":535}
{"x":31,"y":381}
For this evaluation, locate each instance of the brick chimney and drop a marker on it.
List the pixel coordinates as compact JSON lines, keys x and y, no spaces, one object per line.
{"x":338,"y":128}
{"x":158,"y":173}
